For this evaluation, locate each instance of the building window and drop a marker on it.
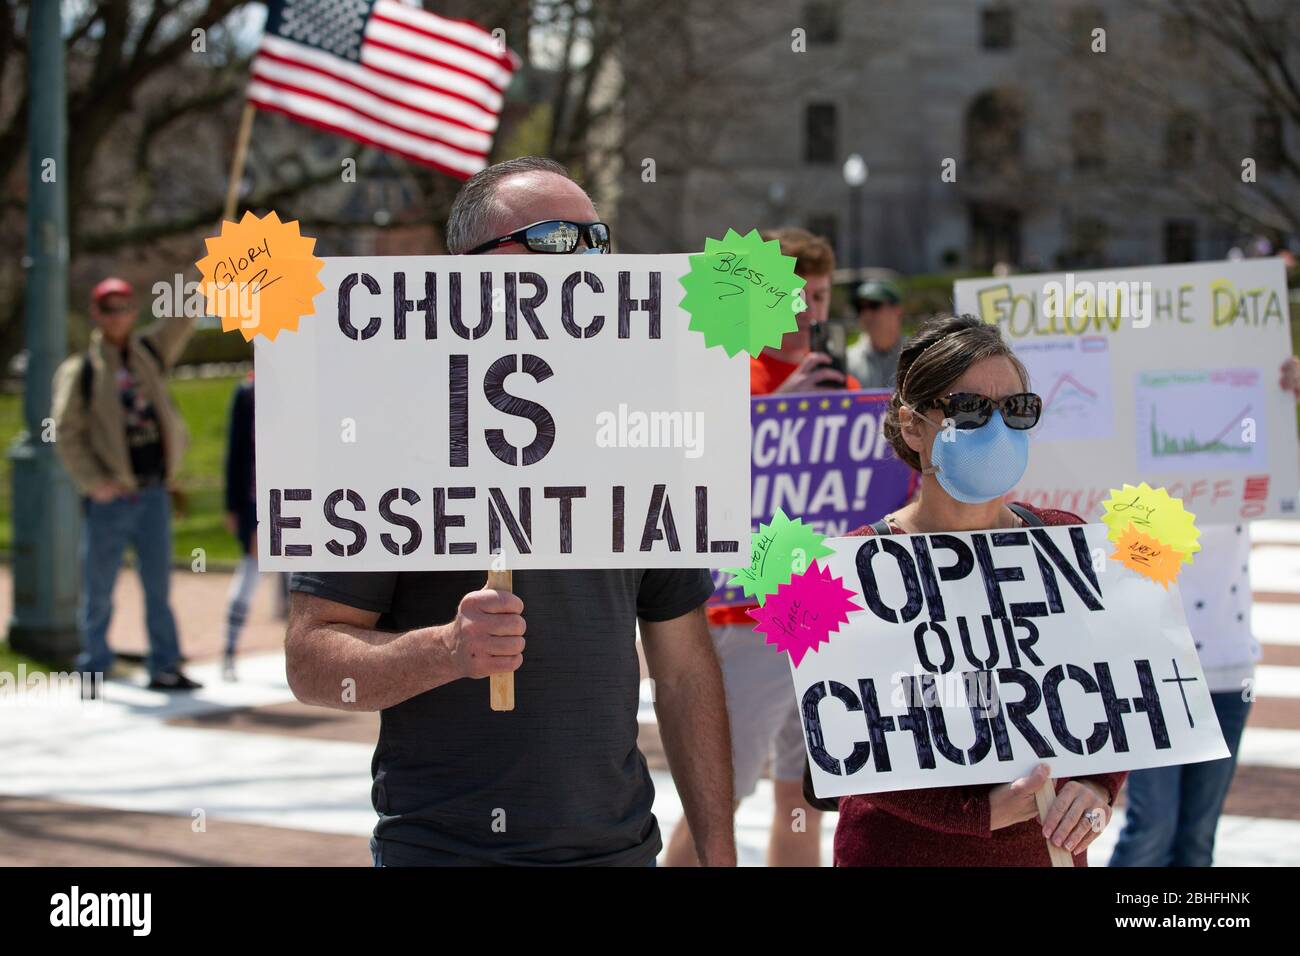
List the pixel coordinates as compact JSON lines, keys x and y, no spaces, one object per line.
{"x":1180,"y":141}
{"x":997,"y":28}
{"x":820,"y":133}
{"x":1179,"y":34}
{"x":823,"y":21}
{"x":994,"y":236}
{"x":993,"y":134}
{"x":1268,"y":140}
{"x":826,"y":225}
{"x":1180,"y":240}
{"x":1083,"y":20}
{"x":1086,"y":140}
{"x":1088,"y":243}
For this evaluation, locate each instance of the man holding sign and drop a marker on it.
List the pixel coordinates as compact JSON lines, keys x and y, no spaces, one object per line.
{"x":559,"y":780}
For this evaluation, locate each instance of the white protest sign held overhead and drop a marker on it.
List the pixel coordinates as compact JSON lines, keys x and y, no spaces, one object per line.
{"x":1164,"y":374}
{"x":978,"y":655}
{"x":436,"y":411}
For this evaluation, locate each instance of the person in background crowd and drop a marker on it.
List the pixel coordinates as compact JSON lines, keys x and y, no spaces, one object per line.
{"x":560,"y":780}
{"x":241,"y":521}
{"x":873,"y":358}
{"x":764,"y":717}
{"x":793,"y":367}
{"x":959,"y":368}
{"x":1172,"y":813}
{"x":121,"y":439}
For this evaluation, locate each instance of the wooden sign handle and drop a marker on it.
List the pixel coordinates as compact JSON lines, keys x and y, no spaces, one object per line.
{"x":501,"y":687}
{"x":1044,"y":797}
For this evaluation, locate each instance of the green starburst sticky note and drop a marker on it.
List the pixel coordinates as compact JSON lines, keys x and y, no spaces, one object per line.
{"x":742,"y":294}
{"x":781,"y":549}
{"x":1152,"y":512}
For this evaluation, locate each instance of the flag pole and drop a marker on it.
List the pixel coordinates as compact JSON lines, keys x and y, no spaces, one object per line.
{"x":501,"y":687}
{"x":237,"y":164}
{"x":1043,"y":798}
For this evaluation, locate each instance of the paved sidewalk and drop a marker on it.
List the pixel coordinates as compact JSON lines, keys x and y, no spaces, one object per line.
{"x":199,"y":602}
{"x":128,"y":780}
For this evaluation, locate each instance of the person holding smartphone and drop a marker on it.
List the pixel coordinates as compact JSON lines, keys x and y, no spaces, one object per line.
{"x":765,"y":728}
{"x":800,"y":364}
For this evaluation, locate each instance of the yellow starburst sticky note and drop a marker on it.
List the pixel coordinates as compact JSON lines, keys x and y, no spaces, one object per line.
{"x":1154,"y":513}
{"x":1147,"y":556}
{"x":260,"y":276}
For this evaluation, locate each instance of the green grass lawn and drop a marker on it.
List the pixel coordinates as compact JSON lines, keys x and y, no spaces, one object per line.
{"x":10,"y":659}
{"x":205,"y":403}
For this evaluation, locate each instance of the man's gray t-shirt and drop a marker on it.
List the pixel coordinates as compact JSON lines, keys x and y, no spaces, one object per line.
{"x":873,"y":369}
{"x":558,"y":780}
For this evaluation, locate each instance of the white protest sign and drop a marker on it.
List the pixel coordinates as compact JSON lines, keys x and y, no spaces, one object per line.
{"x":979,"y":655}
{"x":1166,"y":374}
{"x":435,"y":411}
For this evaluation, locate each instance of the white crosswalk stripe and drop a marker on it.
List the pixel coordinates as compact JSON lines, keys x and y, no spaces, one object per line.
{"x":121,"y":754}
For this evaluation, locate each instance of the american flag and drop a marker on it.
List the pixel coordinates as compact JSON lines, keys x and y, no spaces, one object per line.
{"x":386,"y":74}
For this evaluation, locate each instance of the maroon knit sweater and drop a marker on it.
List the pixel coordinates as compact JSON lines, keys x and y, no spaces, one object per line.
{"x":946,"y":826}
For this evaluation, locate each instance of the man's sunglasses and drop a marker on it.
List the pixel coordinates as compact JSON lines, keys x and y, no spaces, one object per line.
{"x":553,"y":237}
{"x":968,"y":410}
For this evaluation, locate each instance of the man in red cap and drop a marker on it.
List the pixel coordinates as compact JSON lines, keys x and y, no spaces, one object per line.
{"x":121,"y":439}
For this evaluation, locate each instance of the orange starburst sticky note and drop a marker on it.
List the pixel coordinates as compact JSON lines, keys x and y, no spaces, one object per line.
{"x":260,"y":276}
{"x":1147,"y":556}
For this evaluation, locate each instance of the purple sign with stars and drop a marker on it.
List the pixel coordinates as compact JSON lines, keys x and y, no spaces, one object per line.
{"x":821,"y":457}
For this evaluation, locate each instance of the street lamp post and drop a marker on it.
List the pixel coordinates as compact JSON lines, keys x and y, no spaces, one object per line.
{"x":45,"y":512}
{"x":855,"y":174}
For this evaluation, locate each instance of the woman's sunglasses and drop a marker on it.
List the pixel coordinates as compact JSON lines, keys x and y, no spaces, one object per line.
{"x":968,"y":410}
{"x":556,"y":237}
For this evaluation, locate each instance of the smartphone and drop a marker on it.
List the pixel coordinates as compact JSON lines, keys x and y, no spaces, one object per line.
{"x":821,"y":338}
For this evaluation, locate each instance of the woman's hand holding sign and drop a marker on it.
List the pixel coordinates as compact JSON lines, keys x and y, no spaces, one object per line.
{"x":487,"y":636}
{"x":1012,"y":803}
{"x":1079,"y":813}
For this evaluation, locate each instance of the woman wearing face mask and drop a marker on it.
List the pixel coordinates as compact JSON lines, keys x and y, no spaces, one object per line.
{"x":957,"y":371}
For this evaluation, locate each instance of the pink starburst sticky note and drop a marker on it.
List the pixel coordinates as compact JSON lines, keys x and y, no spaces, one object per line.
{"x":803,"y":614}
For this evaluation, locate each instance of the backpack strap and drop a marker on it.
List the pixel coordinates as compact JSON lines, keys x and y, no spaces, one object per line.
{"x":86,"y":378}
{"x":1025,"y":515}
{"x":153,"y":350}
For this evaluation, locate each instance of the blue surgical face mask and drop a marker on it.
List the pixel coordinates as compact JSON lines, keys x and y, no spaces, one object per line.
{"x":979,"y":464}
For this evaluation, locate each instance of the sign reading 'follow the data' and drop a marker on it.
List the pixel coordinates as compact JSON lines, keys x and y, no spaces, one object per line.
{"x":1166,"y":374}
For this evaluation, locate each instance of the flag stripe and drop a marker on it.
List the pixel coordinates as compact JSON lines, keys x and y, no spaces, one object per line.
{"x":386,"y":74}
{"x":462,"y":32}
{"x":263,"y":85}
{"x":427,"y":88}
{"x":402,"y":115}
{"x":353,"y":134}
{"x":451,"y":55}
{"x":438,"y":102}
{"x":349,"y":122}
{"x":381,"y":56}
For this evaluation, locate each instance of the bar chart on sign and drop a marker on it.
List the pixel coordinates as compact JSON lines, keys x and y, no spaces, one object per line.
{"x":1204,"y":420}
